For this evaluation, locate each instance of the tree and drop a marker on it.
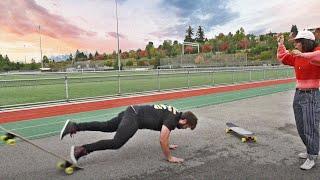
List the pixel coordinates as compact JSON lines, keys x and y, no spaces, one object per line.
{"x":77,"y":55}
{"x":150,"y":50}
{"x":132,"y":54}
{"x":142,"y":53}
{"x":240,"y":35}
{"x":6,"y":59}
{"x":167,"y":46}
{"x":124,"y":55}
{"x":200,"y":35}
{"x":105,"y":56}
{"x":1,"y":59}
{"x":96,"y":54}
{"x":114,"y":55}
{"x":294,"y":30}
{"x":176,"y":48}
{"x":244,"y":43}
{"x":206,"y":48}
{"x":129,"y":63}
{"x":266,"y":55}
{"x":70,"y":57}
{"x":108,"y":63}
{"x":45,"y":60}
{"x":224,"y":46}
{"x":188,"y":37}
{"x":90,"y":56}
{"x":189,"y":49}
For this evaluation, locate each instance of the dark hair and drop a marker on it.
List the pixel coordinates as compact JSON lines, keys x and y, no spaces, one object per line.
{"x":307,"y":44}
{"x":191,"y":119}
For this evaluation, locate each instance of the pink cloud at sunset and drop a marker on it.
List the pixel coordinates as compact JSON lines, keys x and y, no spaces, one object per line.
{"x":90,"y":25}
{"x":114,"y":35}
{"x":25,"y":17}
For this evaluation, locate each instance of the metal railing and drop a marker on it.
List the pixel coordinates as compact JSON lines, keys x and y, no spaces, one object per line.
{"x":24,"y":89}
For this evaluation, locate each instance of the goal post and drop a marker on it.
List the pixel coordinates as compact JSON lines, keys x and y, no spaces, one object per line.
{"x":192,"y":44}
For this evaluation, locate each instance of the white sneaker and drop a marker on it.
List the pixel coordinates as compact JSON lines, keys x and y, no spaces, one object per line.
{"x":308,"y":164}
{"x":304,"y":155}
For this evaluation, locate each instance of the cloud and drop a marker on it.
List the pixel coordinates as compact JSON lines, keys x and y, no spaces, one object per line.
{"x":205,"y":13}
{"x":175,"y":31}
{"x":202,"y":12}
{"x":24,"y":17}
{"x":114,"y":35}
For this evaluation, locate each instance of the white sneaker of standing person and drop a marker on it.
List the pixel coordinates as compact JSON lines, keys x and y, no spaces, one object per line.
{"x":308,"y":164}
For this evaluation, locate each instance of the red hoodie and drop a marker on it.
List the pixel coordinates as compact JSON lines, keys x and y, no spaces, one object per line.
{"x":304,"y":69}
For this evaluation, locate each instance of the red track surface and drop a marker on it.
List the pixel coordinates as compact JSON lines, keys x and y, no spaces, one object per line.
{"x":41,"y":112}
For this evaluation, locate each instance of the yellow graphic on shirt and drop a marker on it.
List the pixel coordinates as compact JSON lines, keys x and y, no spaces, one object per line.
{"x":169,"y":108}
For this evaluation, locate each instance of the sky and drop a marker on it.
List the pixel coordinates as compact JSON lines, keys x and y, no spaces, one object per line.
{"x":90,"y":25}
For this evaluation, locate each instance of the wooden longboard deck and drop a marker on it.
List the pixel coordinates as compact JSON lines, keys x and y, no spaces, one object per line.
{"x":41,"y":148}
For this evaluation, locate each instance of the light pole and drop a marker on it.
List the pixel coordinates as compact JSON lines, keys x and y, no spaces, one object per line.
{"x":119,"y":64}
{"x":40,"y":48}
{"x":25,"y":59}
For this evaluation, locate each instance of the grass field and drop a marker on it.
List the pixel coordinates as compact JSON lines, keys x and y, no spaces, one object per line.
{"x":34,"y":88}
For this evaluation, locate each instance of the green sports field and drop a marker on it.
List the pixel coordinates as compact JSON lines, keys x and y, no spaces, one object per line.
{"x":35,"y":88}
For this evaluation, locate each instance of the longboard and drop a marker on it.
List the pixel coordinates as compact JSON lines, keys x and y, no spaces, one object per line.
{"x":243,"y":133}
{"x":63,"y":164}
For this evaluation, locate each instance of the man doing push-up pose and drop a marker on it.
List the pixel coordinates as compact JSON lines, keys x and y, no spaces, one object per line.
{"x":157,"y":117}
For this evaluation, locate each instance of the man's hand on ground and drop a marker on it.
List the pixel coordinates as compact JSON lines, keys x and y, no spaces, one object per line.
{"x":173,"y":146}
{"x":175,"y":160}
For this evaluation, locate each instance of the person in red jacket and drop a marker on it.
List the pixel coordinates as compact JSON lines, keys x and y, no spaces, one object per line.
{"x":306,"y":103}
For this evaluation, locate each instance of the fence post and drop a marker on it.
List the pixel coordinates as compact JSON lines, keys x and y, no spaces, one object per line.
{"x":188,"y":79}
{"x":233,"y":77}
{"x":119,"y":88}
{"x":212,"y":78}
{"x":66,"y":87}
{"x":158,"y":78}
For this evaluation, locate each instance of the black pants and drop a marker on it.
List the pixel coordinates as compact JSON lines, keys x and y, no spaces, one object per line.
{"x":125,"y":125}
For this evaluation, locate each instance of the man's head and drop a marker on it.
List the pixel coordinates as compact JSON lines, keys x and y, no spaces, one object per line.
{"x":304,"y":41}
{"x":187,"y":120}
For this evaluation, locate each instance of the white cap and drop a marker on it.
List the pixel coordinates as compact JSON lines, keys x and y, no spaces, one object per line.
{"x":305,"y":35}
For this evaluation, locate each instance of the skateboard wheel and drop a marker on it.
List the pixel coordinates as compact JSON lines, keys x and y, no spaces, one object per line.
{"x":3,"y":137}
{"x":11,"y":142}
{"x":243,"y":139}
{"x":227,"y":130}
{"x":254,"y":139}
{"x":69,"y":170}
{"x":61,"y":165}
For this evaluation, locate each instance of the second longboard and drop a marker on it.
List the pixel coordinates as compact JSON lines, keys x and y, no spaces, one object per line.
{"x":243,"y":133}
{"x":64,"y":163}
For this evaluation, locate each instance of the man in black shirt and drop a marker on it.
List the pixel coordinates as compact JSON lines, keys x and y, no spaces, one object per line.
{"x":157,"y":117}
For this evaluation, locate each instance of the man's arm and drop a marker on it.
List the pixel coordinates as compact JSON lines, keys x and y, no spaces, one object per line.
{"x":314,"y":56}
{"x":164,"y":142}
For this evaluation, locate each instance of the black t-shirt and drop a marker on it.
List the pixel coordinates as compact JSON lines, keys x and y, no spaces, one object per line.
{"x":154,"y":116}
